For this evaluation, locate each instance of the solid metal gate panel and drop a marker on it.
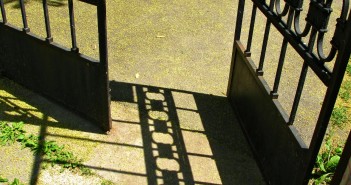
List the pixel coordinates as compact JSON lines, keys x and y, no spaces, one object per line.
{"x":283,"y":156}
{"x":64,"y":75}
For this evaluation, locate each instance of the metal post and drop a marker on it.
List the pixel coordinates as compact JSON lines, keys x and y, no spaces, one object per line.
{"x":101,"y":12}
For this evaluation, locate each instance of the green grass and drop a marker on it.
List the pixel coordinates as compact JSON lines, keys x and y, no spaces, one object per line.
{"x":53,"y":153}
{"x":326,"y":163}
{"x":339,"y":116}
{"x":348,"y":69}
{"x":14,"y":182}
{"x":345,"y":91}
{"x":329,"y":155}
{"x":107,"y":182}
{"x":2,"y":179}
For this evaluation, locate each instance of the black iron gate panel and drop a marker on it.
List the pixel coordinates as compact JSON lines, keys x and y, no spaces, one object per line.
{"x":283,"y":156}
{"x":62,"y":74}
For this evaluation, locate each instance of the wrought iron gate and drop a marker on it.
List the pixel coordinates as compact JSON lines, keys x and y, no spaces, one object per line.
{"x":65,"y":75}
{"x":283,"y":156}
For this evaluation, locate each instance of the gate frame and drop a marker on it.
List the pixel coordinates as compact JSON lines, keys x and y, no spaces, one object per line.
{"x":304,"y":159}
{"x":64,"y":75}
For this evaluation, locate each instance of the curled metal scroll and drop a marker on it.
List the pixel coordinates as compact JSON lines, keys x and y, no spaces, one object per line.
{"x":340,"y":24}
{"x":322,"y":8}
{"x":296,"y":6}
{"x":298,"y":31}
{"x":278,"y":10}
{"x":318,"y":15}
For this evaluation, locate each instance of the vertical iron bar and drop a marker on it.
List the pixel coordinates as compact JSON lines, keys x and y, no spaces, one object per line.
{"x":73,"y":28}
{"x":103,"y":55}
{"x":302,"y":79}
{"x":239,"y":20}
{"x":264,"y":48}
{"x":265,"y":42}
{"x":274,"y":92}
{"x":3,"y":12}
{"x":47,"y":22}
{"x":24,"y":16}
{"x":252,"y":26}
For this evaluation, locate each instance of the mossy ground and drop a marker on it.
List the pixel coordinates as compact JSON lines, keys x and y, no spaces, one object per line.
{"x":39,"y":115}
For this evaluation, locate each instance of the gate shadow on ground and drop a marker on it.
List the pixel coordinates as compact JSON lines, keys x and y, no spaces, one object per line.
{"x":160,"y":136}
{"x":187,"y":137}
{"x":17,"y":104}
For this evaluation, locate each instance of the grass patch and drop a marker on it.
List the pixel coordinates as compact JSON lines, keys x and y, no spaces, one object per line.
{"x":14,"y":182}
{"x":345,"y":91}
{"x":339,"y":116}
{"x":52,"y":153}
{"x":326,"y":163}
{"x":348,"y":69}
{"x":107,"y":182}
{"x":330,"y":153}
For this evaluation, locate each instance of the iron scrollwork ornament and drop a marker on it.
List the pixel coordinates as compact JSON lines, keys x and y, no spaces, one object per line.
{"x":317,"y":20}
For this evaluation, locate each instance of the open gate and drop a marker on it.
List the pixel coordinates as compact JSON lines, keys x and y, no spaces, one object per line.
{"x":283,"y":156}
{"x":62,"y":74}
{"x":82,"y":84}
